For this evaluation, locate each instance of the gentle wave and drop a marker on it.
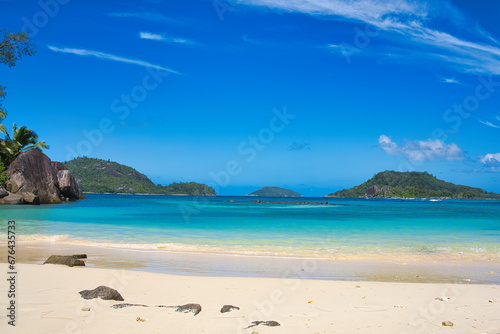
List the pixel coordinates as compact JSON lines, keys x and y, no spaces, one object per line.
{"x":339,"y":252}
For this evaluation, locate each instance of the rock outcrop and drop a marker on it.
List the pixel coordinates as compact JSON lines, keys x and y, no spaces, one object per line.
{"x":376,"y":191}
{"x":228,"y":308}
{"x":102,"y":292}
{"x":70,"y":261}
{"x":38,"y":180}
{"x":3,"y":192}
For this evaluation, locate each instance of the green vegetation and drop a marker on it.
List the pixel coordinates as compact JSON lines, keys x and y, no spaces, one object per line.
{"x":22,"y":140}
{"x":13,"y":47}
{"x":275,"y":192}
{"x":104,"y":176}
{"x":413,"y":185}
{"x":3,"y":177}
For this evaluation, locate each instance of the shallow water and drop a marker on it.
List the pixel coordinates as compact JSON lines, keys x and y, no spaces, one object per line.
{"x":461,"y":230}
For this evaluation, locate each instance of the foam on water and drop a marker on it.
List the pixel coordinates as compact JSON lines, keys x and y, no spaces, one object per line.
{"x":350,"y":228}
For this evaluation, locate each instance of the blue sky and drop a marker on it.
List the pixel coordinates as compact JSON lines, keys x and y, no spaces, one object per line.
{"x":314,"y":95}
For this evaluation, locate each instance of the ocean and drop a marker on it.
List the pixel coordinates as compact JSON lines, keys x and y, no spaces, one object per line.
{"x":414,"y":229}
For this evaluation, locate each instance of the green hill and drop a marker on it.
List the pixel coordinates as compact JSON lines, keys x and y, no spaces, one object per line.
{"x":275,"y":192}
{"x":411,"y":185}
{"x":101,"y":176}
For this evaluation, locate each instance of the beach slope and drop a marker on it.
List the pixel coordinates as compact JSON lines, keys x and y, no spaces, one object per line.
{"x":48,"y":302}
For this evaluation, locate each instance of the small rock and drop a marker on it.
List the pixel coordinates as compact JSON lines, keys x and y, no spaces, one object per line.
{"x":310,"y":302}
{"x":194,"y":308}
{"x":80,"y":256}
{"x":138,"y":319}
{"x":102,"y":292}
{"x":398,"y":306}
{"x":69,"y":261}
{"x":117,"y":306}
{"x":86,"y":309}
{"x":443,"y":299}
{"x":467,"y":279}
{"x":493,"y":300}
{"x":270,"y":323}
{"x":228,"y":308}
{"x":447,"y":323}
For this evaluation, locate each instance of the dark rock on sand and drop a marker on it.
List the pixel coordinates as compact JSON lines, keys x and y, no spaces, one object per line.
{"x":80,"y":256}
{"x":188,"y":308}
{"x":117,"y":306}
{"x":228,"y":308}
{"x":69,"y":261}
{"x":194,"y":308}
{"x":270,"y":323}
{"x":102,"y":292}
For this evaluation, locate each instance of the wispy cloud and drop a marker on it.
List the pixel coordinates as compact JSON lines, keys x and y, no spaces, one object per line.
{"x":247,"y":39}
{"x":492,"y":161}
{"x":449,"y":80}
{"x":148,"y":16}
{"x":489,"y":124}
{"x":411,"y":20}
{"x":345,"y":50}
{"x":107,"y":56}
{"x":422,"y":150}
{"x":163,"y":38}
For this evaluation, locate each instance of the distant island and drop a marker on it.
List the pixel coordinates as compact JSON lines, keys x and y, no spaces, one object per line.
{"x":391,"y":184}
{"x":275,"y":192}
{"x":104,"y":176}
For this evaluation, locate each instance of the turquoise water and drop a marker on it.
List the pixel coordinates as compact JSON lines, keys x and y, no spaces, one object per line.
{"x":348,"y":228}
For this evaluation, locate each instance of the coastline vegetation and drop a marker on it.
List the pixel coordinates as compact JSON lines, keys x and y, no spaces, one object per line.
{"x":104,"y":176}
{"x":391,"y":184}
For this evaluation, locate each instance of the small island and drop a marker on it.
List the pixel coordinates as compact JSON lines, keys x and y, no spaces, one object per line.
{"x":104,"y":176}
{"x":275,"y":192}
{"x":391,"y":184}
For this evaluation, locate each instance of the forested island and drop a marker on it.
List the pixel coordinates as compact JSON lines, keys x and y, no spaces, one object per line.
{"x":391,"y":184}
{"x":275,"y":192}
{"x":104,"y":176}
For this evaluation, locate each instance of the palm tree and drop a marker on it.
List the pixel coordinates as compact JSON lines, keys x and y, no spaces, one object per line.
{"x":22,"y":140}
{"x":3,"y":129}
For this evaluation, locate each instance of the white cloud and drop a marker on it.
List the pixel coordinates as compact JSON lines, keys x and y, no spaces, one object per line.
{"x":162,"y":38}
{"x":408,"y":19}
{"x":492,"y":160}
{"x":422,"y":150}
{"x":148,"y":35}
{"x":449,"y":80}
{"x":490,"y":124}
{"x":344,"y":49}
{"x":107,"y":56}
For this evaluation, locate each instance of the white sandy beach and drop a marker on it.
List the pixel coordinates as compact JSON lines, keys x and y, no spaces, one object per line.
{"x":48,"y":302}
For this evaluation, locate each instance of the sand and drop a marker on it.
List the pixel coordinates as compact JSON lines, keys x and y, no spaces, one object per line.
{"x":48,"y":302}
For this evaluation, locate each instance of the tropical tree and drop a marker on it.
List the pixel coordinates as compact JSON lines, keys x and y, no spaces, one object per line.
{"x":22,"y":140}
{"x":13,"y":46}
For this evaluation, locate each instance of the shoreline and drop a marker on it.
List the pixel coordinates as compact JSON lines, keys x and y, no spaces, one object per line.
{"x":228,"y":265}
{"x":48,"y":302}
